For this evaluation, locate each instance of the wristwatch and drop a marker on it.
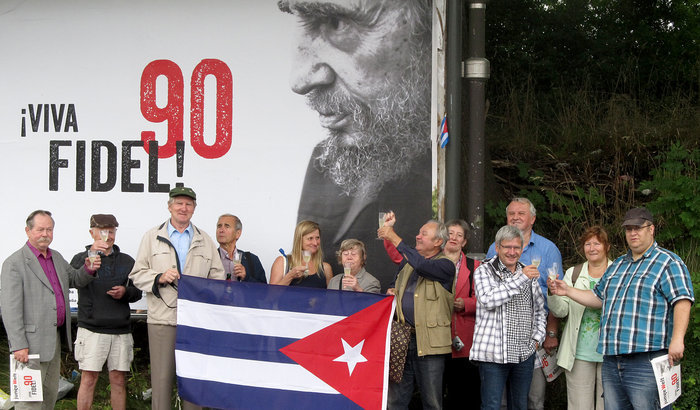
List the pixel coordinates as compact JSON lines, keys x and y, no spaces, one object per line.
{"x":551,"y":333}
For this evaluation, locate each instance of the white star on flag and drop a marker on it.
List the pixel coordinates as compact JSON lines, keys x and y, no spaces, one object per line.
{"x":352,"y":355}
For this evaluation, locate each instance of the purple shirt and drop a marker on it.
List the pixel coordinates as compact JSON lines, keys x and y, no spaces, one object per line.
{"x":227,"y":261}
{"x":50,"y":271}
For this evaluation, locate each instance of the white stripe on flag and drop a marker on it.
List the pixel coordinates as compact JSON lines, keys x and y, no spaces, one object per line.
{"x":252,"y":373}
{"x":277,"y":323}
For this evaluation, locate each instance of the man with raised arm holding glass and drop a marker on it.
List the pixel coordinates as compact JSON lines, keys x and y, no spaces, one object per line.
{"x":510,"y":323}
{"x":646,"y":296}
{"x":104,"y":328}
{"x":424,"y":299}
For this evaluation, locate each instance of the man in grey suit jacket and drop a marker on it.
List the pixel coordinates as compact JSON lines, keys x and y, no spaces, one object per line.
{"x":34,"y":300}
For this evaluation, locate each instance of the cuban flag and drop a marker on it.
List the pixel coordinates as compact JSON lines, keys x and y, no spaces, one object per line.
{"x":253,"y":346}
{"x":444,"y":135}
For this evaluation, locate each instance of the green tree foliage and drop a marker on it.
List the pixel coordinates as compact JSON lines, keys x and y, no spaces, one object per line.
{"x":586,"y":99}
{"x":559,"y":43}
{"x":675,"y":190}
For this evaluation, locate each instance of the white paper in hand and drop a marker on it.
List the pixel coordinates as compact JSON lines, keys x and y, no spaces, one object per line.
{"x":25,"y":379}
{"x":549,"y":365}
{"x":668,"y":380}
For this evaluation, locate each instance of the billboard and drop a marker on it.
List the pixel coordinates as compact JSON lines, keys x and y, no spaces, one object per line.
{"x":272,"y":111}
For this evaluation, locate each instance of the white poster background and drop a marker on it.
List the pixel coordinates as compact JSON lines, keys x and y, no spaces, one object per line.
{"x":92,"y":54}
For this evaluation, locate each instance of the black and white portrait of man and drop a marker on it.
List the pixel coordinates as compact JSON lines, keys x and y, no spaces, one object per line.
{"x":365,"y":67}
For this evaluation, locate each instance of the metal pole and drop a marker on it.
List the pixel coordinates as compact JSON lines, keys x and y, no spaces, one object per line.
{"x":454,"y":109}
{"x":476,"y":71}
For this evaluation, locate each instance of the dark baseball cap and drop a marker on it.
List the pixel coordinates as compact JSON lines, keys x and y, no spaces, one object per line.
{"x":182,"y":191}
{"x":103,"y":221}
{"x":637,"y":217}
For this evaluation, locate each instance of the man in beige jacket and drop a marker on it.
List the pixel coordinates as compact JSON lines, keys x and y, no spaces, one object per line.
{"x":175,"y":247}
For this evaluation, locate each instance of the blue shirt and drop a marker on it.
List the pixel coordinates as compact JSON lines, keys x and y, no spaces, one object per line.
{"x":547,"y":250}
{"x":638,"y":298}
{"x":181,"y":242}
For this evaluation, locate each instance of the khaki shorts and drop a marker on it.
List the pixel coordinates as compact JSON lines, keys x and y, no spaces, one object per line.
{"x":93,"y":349}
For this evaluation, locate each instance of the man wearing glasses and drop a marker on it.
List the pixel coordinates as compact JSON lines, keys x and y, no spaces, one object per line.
{"x":646,"y":295}
{"x":510,"y":322}
{"x":104,"y":330}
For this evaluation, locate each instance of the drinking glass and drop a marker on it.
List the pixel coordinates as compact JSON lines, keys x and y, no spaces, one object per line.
{"x":92,"y":256}
{"x":307,"y":257}
{"x":236,"y":261}
{"x":382,"y":216}
{"x":553,"y":271}
{"x":536,"y":260}
{"x":104,"y":234}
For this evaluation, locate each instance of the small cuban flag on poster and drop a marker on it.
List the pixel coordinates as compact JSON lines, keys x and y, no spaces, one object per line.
{"x":444,"y":135}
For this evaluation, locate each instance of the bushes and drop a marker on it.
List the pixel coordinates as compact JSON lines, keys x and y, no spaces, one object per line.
{"x":675,"y":192}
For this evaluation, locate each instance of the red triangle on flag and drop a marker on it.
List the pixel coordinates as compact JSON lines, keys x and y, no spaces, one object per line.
{"x":325,"y":354}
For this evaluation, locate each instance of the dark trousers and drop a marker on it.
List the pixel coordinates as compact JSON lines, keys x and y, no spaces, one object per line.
{"x":462,"y":383}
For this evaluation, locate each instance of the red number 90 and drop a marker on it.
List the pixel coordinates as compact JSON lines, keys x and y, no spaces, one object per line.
{"x":173,"y":110}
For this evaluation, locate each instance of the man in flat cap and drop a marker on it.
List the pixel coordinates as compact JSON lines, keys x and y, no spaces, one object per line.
{"x":34,"y":299}
{"x":646,"y":297}
{"x":104,"y":331}
{"x":175,"y":247}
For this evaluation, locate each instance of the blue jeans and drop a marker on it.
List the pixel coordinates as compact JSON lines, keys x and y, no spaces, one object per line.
{"x":628,"y":381}
{"x":427,"y":372}
{"x":515,"y":376}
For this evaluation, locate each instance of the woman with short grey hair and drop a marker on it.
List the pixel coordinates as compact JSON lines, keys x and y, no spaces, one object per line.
{"x":352,"y":255}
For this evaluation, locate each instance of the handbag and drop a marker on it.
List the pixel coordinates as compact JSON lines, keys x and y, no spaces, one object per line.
{"x":400,"y":336}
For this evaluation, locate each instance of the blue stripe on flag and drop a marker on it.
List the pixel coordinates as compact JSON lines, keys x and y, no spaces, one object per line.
{"x":444,"y":134}
{"x":235,"y":345}
{"x":227,"y":396}
{"x":261,"y":296}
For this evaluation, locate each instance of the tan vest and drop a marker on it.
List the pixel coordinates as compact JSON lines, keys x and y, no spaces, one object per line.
{"x":432,"y":312}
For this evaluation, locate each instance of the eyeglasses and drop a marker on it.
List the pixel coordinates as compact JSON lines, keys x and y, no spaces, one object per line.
{"x":635,"y":229}
{"x":510,"y":248}
{"x":348,"y":253}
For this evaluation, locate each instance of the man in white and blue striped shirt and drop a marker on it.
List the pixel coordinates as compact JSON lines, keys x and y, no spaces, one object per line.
{"x":510,"y":322}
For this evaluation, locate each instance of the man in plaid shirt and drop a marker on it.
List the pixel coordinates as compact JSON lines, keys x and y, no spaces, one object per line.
{"x":510,"y":322}
{"x":646,"y":297}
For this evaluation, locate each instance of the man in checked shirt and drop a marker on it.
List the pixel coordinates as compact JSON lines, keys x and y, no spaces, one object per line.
{"x":510,"y":322}
{"x":646,"y":296}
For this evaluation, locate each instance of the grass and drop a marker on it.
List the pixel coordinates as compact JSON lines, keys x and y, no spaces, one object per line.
{"x":138,"y":380}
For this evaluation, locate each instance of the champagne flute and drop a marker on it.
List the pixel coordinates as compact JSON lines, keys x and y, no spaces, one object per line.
{"x":382,"y":216}
{"x":307,"y":258}
{"x":236,"y":261}
{"x":347,"y":270}
{"x":536,"y":260}
{"x":104,"y":234}
{"x":92,"y":256}
{"x":553,"y":271}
